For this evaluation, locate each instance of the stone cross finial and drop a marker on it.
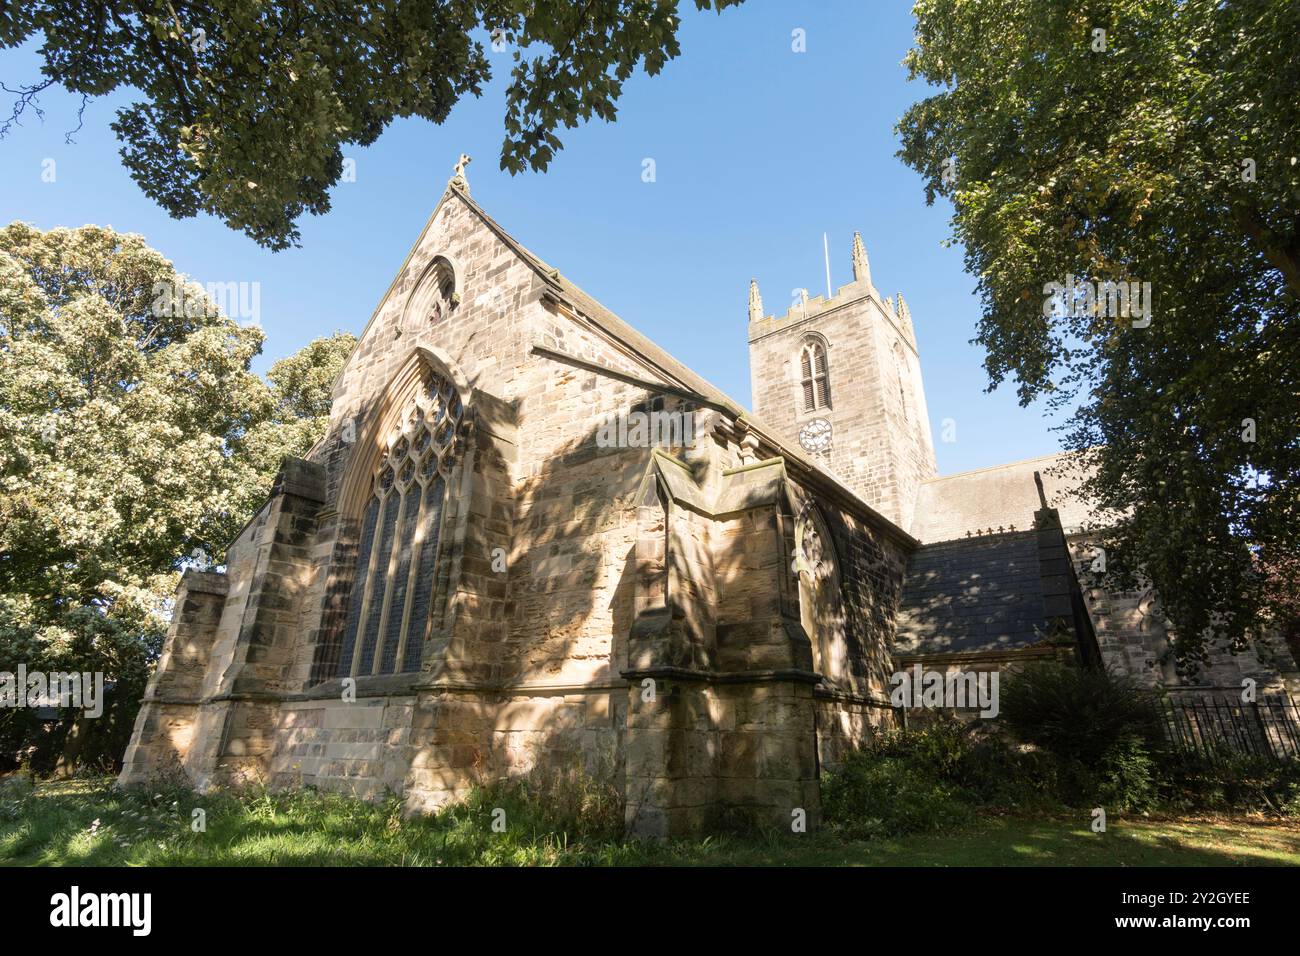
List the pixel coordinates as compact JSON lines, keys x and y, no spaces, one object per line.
{"x":755,"y":302}
{"x":861,"y":270}
{"x":458,"y":179}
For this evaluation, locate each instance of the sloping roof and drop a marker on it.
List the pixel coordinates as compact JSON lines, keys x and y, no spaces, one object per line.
{"x":973,"y":594}
{"x":604,"y":317}
{"x":1003,"y":496}
{"x":671,"y":369}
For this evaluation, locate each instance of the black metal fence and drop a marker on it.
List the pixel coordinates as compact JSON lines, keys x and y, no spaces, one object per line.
{"x":1219,"y":725}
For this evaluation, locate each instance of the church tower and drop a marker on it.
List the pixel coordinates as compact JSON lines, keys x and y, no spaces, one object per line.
{"x":841,"y":378}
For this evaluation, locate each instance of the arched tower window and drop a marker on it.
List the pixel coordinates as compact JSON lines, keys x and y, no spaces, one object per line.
{"x":814,"y":375}
{"x":393,"y":588}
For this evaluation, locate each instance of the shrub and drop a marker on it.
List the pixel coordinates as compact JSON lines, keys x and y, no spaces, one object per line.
{"x":1079,"y":713}
{"x":1123,"y":778}
{"x":877,"y":795}
{"x":1232,"y":782}
{"x":992,"y":773}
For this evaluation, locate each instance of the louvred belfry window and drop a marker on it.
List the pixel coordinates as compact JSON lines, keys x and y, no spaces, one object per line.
{"x":393,"y":591}
{"x":814,"y":375}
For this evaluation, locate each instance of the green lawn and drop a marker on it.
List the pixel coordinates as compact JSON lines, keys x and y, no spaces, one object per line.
{"x":91,"y":823}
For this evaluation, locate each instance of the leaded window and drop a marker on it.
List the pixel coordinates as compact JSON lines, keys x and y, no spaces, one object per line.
{"x":394,"y":588}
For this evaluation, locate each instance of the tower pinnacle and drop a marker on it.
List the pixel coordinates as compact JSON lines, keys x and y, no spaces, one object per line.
{"x":904,"y":313}
{"x":861,"y":270}
{"x":755,"y":302}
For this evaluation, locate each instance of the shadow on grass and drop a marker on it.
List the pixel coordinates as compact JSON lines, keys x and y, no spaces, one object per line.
{"x":94,"y":824}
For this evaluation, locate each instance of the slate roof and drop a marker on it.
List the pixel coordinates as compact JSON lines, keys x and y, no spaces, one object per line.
{"x":972,"y":594}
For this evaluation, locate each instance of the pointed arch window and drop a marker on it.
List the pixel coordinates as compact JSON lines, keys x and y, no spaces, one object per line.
{"x":814,"y":376}
{"x":444,"y":297}
{"x":436,"y":295}
{"x":814,"y":589}
{"x":389,"y":609}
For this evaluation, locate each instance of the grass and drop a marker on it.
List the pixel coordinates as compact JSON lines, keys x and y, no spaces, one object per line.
{"x":90,"y":822}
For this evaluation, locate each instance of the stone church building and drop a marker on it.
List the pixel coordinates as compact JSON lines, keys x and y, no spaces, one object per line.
{"x":491,"y":564}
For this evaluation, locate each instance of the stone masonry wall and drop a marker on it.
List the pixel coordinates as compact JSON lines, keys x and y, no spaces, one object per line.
{"x":538,"y":664}
{"x":881,"y":445}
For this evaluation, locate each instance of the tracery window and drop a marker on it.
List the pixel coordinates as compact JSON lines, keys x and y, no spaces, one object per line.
{"x":393,"y":590}
{"x":814,"y":376}
{"x":444,"y":297}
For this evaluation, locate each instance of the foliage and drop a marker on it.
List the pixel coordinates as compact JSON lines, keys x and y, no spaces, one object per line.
{"x":1129,"y":163}
{"x":1123,"y":778}
{"x":245,"y":107}
{"x":872,"y":796}
{"x":300,"y":392}
{"x":909,"y":781}
{"x":131,"y":436}
{"x":1229,"y":782}
{"x":1079,"y":713}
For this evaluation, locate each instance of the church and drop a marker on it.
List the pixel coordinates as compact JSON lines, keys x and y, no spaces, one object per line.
{"x":532,"y":539}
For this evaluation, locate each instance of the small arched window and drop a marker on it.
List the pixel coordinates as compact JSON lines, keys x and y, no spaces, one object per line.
{"x":444,"y":298}
{"x":814,"y":376}
{"x":435,"y":296}
{"x":393,"y":589}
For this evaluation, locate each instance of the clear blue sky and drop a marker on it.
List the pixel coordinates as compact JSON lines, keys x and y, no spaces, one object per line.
{"x":758,"y":151}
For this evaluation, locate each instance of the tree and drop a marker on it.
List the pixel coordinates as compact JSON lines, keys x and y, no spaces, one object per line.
{"x":1142,"y":141}
{"x":300,"y":392}
{"x":246,"y":105}
{"x":133,"y":438}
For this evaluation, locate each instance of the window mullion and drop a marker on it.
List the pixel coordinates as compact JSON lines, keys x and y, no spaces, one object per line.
{"x":412,"y":574}
{"x":360,"y":637}
{"x":394,"y":553}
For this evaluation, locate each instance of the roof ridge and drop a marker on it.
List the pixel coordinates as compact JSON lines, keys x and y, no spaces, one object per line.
{"x":1010,"y":464}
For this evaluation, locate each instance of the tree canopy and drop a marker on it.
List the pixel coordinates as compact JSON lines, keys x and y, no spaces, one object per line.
{"x":133,"y":438}
{"x":245,"y":106}
{"x":1139,"y":141}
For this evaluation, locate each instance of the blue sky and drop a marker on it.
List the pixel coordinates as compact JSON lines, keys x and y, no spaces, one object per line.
{"x":758,"y":150}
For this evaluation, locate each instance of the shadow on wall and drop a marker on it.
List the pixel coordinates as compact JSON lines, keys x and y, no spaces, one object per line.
{"x":565,"y":604}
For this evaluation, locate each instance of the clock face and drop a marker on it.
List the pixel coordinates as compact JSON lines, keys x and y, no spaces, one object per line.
{"x":816,"y":435}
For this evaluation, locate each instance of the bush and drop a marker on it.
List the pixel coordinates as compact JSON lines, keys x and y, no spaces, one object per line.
{"x":1080,"y":714}
{"x":877,"y":795}
{"x":1123,"y":778}
{"x":926,"y":779}
{"x":1231,"y":783}
{"x":991,"y":773}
